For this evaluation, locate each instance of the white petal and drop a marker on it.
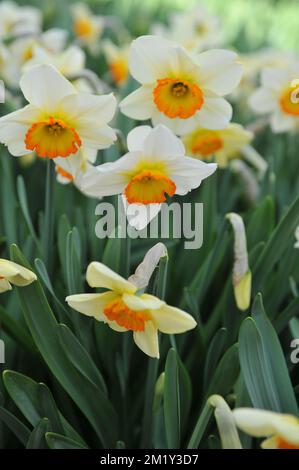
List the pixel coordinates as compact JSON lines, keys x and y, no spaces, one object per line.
{"x":275,"y":79}
{"x":4,"y":286}
{"x":139,"y":104}
{"x":140,"y":215}
{"x":96,"y":138}
{"x":152,"y":57}
{"x":44,"y":87}
{"x":84,"y":108}
{"x":15,"y":273}
{"x":281,"y":122}
{"x":219,"y":71}
{"x":177,"y":125}
{"x":162,"y":143}
{"x":91,"y":305}
{"x":257,"y":423}
{"x":147,"y":340}
{"x":263,"y":100}
{"x":142,"y":302}
{"x":214,"y":114}
{"x":187,"y":173}
{"x":172,"y":320}
{"x":136,"y":137}
{"x":99,"y":275}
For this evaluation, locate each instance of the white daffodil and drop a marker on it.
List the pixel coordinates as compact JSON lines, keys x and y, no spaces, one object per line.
{"x":13,"y":273}
{"x":124,"y":310}
{"x":73,"y":170}
{"x":195,"y":29}
{"x":179,"y":90}
{"x":16,"y":20}
{"x":279,"y":97}
{"x":88,"y":28}
{"x":58,"y":121}
{"x":118,"y":61}
{"x":282,"y":430}
{"x":68,"y":62}
{"x":155,"y":165}
{"x":223,"y":144}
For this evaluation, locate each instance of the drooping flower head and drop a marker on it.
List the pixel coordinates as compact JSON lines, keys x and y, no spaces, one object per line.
{"x":279,"y":97}
{"x":13,"y":273}
{"x":124,"y":310}
{"x":58,"y":121}
{"x":179,"y":90}
{"x":281,"y":430}
{"x":223,"y":144}
{"x":154,"y":167}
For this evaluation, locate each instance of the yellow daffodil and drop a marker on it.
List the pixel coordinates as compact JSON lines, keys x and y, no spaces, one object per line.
{"x":87,"y":27}
{"x":13,"y":273}
{"x":58,"y":121}
{"x":183,"y":92}
{"x":124,"y":310}
{"x":154,"y":167}
{"x":279,"y":97}
{"x":223,"y":144}
{"x":117,"y":58}
{"x":281,"y":430}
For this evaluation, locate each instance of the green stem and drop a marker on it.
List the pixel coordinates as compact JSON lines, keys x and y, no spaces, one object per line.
{"x":48,"y":235}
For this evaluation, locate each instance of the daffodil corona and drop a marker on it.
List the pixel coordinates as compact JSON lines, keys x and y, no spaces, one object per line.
{"x":180,"y":90}
{"x":58,"y":121}
{"x":124,"y":310}
{"x":13,"y":273}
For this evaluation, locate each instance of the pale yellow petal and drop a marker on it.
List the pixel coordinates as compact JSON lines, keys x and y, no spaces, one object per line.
{"x":147,"y":340}
{"x":99,"y":275}
{"x":172,"y":320}
{"x":143,"y":302}
{"x":91,"y":305}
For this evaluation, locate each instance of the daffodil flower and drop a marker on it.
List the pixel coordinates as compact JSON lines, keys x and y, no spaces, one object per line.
{"x":87,"y":27}
{"x":154,"y":167}
{"x":117,"y":59}
{"x":279,"y":97}
{"x":179,"y":90}
{"x":13,"y":273}
{"x":281,"y":430}
{"x":223,"y":145}
{"x":124,"y":310}
{"x":18,"y":20}
{"x":58,"y":121}
{"x":73,"y":170}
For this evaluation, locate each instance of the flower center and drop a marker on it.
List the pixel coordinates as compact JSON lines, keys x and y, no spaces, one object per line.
{"x":206,"y":143}
{"x":149,"y":187}
{"x":52,"y":138}
{"x":65,"y":174}
{"x":119,"y":70}
{"x":1,"y":277}
{"x":83,"y":27}
{"x":117,"y":311}
{"x":282,"y":444}
{"x":289,"y":101}
{"x":177,"y":98}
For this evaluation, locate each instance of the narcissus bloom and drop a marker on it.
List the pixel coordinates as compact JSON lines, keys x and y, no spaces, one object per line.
{"x":282,"y":430}
{"x":223,"y":144}
{"x":195,"y":29}
{"x":124,"y":310}
{"x":117,"y":58}
{"x":87,"y":27}
{"x":13,"y":273}
{"x":58,"y":121}
{"x":17,"y":20}
{"x":73,"y":170}
{"x":180,"y":90}
{"x":279,"y":97}
{"x":154,"y":167}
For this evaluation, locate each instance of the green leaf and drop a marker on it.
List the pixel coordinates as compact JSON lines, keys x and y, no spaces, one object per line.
{"x":226,"y":373}
{"x":15,"y":425}
{"x":16,"y":331}
{"x":201,"y":425}
{"x":214,"y":352}
{"x":56,"y":441}
{"x":37,"y":437}
{"x":112,"y":254}
{"x":172,"y":412}
{"x":263,"y":365}
{"x":43,"y":327}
